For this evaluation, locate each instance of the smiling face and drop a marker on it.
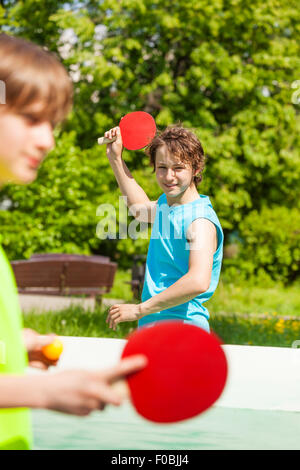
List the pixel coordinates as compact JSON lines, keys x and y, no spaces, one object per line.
{"x":38,"y":95}
{"x":24,"y":142}
{"x":178,"y":160}
{"x":176,"y":178}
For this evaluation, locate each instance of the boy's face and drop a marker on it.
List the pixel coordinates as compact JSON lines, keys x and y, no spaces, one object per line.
{"x":24,"y":143}
{"x":173,"y":176}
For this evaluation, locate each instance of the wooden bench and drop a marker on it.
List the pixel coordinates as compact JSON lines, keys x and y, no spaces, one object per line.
{"x":65,"y":275}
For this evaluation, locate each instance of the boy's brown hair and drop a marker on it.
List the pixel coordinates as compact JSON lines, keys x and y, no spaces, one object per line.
{"x":181,"y":143}
{"x":34,"y":75}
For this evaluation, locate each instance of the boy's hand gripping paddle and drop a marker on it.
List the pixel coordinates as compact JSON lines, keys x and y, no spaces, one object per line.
{"x":185,"y":374}
{"x":137,"y":130}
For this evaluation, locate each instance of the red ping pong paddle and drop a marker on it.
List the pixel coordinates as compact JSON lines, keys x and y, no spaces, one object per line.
{"x":137,"y":130}
{"x":186,"y":371}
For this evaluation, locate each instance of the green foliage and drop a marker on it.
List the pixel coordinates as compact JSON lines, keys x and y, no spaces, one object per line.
{"x":224,"y":68}
{"x":58,"y":211}
{"x":270,"y":245}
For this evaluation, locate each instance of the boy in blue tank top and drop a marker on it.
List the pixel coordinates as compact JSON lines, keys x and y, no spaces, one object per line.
{"x":186,"y":246}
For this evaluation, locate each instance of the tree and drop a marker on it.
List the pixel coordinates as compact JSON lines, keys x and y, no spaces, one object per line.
{"x":223,"y":68}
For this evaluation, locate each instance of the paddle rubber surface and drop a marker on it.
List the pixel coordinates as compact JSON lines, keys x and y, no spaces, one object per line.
{"x":185,"y":375}
{"x":137,"y":129}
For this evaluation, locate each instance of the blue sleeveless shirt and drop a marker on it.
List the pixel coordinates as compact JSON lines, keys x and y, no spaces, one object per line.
{"x":168,"y":259}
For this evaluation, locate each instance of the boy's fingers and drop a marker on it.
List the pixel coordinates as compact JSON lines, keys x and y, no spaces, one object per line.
{"x":38,"y":365}
{"x":125,"y":367}
{"x":107,"y":135}
{"x":114,"y":318}
{"x":114,"y":308}
{"x":106,"y":394}
{"x":43,"y":340}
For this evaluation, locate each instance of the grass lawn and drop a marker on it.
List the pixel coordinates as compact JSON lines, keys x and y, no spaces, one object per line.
{"x":233,"y":298}
{"x":240,"y":314}
{"x":232,"y":329}
{"x":246,"y":299}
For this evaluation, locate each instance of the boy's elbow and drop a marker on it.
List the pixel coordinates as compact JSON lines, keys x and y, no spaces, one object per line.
{"x":202,"y":289}
{"x":200,"y":286}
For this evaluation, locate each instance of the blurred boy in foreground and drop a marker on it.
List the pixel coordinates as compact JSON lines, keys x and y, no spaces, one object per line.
{"x":38,"y":95}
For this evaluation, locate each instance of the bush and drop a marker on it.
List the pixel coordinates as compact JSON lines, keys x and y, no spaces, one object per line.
{"x":270,"y":246}
{"x":225,"y":69}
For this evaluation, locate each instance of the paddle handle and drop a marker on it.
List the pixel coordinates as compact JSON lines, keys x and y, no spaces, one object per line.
{"x":121,"y":387}
{"x":105,"y":140}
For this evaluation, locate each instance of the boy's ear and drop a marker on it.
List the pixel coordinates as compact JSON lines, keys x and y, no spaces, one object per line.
{"x":196,"y":171}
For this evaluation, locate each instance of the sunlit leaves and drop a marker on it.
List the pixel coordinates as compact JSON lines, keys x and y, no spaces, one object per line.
{"x":225,"y":68}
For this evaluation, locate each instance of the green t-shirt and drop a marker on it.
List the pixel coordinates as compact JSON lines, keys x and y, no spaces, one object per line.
{"x":15,"y":423}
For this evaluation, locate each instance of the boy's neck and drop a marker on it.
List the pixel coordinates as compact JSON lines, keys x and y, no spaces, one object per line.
{"x":189,"y":195}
